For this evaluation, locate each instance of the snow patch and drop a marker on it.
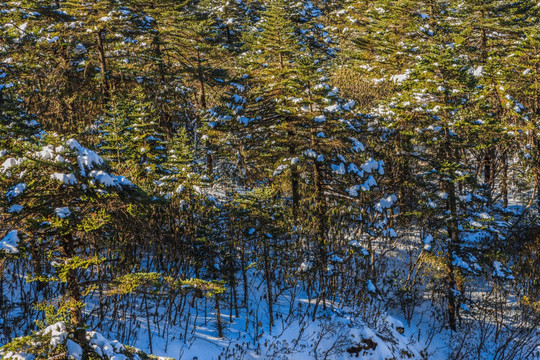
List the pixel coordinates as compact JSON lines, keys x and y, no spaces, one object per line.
{"x":16,"y":190}
{"x":58,"y":333}
{"x":10,"y":242}
{"x":68,"y":179}
{"x":62,"y":212}
{"x":15,"y":208}
{"x":74,"y":350}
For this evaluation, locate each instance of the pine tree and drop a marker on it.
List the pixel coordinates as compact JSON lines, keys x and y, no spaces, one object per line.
{"x":524,"y":97}
{"x":131,"y":137}
{"x":432,"y":111}
{"x":62,"y":206}
{"x":283,"y":112}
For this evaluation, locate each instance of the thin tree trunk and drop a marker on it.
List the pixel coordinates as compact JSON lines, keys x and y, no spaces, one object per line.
{"x":218,"y":318}
{"x":453,"y":232}
{"x":321,"y":229}
{"x":294,"y":177}
{"x":105,"y":86}
{"x":504,"y":180}
{"x":268,"y":276}
{"x":453,"y":241}
{"x":74,"y":294}
{"x":148,"y":324}
{"x":200,"y":75}
{"x":488,"y":171}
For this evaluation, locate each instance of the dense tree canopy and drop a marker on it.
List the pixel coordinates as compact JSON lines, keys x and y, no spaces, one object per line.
{"x":235,"y":156}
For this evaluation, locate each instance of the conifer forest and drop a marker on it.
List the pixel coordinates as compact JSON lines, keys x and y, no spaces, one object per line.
{"x":270,"y":179}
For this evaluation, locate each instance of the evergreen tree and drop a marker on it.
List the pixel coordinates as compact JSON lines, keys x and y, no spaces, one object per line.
{"x":431,"y":110}
{"x":524,"y":97}
{"x":70,"y":230}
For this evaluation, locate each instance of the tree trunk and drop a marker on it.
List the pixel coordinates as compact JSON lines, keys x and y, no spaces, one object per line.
{"x":488,"y":171}
{"x":218,"y":318}
{"x":73,"y":294}
{"x":294,"y":177}
{"x":105,"y":86}
{"x":321,"y":229}
{"x":453,"y":232}
{"x":200,"y":75}
{"x":504,"y":180}
{"x":268,"y":276}
{"x":536,"y":145}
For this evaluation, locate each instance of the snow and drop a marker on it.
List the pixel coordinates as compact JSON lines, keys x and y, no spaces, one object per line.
{"x":385,"y":203}
{"x":400,"y":77}
{"x":68,"y":179}
{"x":112,"y":350}
{"x":15,"y":208}
{"x":484,"y":216}
{"x":427,"y":242}
{"x":88,"y":158}
{"x":501,"y":271}
{"x":46,"y":153}
{"x":394,"y":323}
{"x":16,"y":191}
{"x":476,"y":72}
{"x":390,"y":233}
{"x":354,"y":170}
{"x":332,"y":108}
{"x":357,"y":145}
{"x":74,"y":350}
{"x":79,"y":49}
{"x":349,"y":105}
{"x":6,"y":86}
{"x":73,"y":144}
{"x":104,"y":347}
{"x":320,"y":118}
{"x":204,"y":343}
{"x":9,"y":163}
{"x":339,"y":169}
{"x":370,"y":166}
{"x":369,"y":183}
{"x":10,"y":242}
{"x":304,"y":266}
{"x":58,"y":333}
{"x":103,"y":178}
{"x":243,"y":120}
{"x":336,"y":258}
{"x":62,"y":212}
{"x":353,"y":190}
{"x":459,"y":262}
{"x":279,"y":170}
{"x":238,"y":99}
{"x":310,"y":153}
{"x":19,"y":356}
{"x":123,"y":181}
